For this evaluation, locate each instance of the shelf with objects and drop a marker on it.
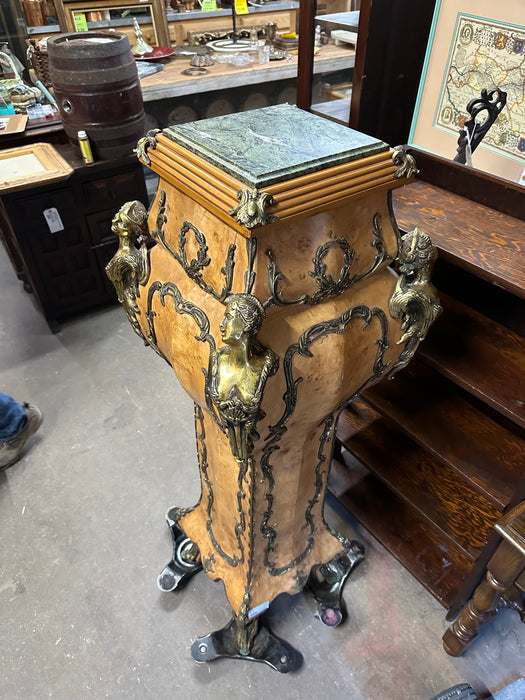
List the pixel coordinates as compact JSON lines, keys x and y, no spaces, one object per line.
{"x":28,"y":111}
{"x":431,"y":461}
{"x":160,"y":24}
{"x":161,"y":27}
{"x":174,"y":96}
{"x":185,"y":34}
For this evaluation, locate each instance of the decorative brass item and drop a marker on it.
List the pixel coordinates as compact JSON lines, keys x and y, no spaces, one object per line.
{"x":239,"y":372}
{"x":415,"y":298}
{"x":405,"y":161}
{"x":198,"y":37}
{"x":144,"y":144}
{"x":141,"y":46}
{"x":201,"y":60}
{"x":195,"y":267}
{"x":251,"y":208}
{"x":129,"y":267}
{"x":326,"y":285}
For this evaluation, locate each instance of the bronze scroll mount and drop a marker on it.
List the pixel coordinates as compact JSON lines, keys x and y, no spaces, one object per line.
{"x":146,"y":142}
{"x":251,"y":210}
{"x":129,"y":267}
{"x":406,"y":163}
{"x":414,"y":298}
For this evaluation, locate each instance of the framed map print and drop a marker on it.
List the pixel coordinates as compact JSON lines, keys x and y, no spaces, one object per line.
{"x":474,"y":45}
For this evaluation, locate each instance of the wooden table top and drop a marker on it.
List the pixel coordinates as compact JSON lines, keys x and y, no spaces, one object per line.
{"x":170,"y":82}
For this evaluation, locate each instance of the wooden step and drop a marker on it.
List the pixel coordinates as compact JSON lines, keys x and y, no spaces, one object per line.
{"x":439,"y":417}
{"x":408,"y":536}
{"x":474,"y":237}
{"x":435,"y":490}
{"x":480,"y":355}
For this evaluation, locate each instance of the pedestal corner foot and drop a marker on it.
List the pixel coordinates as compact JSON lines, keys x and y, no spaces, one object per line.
{"x":186,"y":559}
{"x":265,"y":648}
{"x":326,"y":583}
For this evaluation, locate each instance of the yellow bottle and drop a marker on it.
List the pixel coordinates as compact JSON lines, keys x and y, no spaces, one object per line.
{"x":85,"y":147}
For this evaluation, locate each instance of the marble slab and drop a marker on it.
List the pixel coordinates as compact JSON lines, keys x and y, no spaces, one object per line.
{"x":273,"y":144}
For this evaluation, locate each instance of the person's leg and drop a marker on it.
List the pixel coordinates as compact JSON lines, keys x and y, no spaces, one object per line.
{"x":13,"y":417}
{"x":17,"y":423}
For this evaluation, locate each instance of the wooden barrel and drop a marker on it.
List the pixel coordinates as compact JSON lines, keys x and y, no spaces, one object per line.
{"x":97,"y":89}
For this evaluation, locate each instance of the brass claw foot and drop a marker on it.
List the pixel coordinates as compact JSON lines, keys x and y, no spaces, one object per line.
{"x":326,"y":583}
{"x":265,"y":647}
{"x":186,"y":558}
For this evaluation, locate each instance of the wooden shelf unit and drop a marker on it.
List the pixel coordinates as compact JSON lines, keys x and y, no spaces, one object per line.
{"x":182,"y":24}
{"x":433,"y":458}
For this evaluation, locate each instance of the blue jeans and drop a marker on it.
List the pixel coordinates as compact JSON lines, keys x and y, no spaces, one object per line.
{"x":12,"y":417}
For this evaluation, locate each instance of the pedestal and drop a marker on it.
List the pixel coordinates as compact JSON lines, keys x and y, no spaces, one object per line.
{"x":263,"y":275}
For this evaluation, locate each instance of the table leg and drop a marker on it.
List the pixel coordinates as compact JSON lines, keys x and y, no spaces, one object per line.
{"x":502,"y":571}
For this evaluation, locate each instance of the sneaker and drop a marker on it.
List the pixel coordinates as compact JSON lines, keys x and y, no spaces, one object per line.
{"x":10,"y":450}
{"x":463,"y":691}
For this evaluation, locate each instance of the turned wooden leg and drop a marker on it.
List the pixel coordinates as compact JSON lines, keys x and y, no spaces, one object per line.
{"x":514,"y":598}
{"x":502,"y":571}
{"x":480,"y":608}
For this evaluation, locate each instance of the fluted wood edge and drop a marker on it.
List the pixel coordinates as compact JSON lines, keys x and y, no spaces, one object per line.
{"x":299,"y":197}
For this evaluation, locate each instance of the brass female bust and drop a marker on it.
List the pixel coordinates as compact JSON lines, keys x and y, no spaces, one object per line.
{"x":239,"y":372}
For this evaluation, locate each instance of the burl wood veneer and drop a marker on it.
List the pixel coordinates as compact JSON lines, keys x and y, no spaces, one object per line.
{"x":263,"y":276}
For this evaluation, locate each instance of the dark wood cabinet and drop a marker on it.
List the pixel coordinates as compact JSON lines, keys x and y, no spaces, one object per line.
{"x":432,"y":459}
{"x":65,"y":270}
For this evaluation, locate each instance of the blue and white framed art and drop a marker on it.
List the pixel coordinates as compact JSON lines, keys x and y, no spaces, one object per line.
{"x":474,"y":45}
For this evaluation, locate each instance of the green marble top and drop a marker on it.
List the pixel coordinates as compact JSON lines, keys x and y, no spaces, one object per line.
{"x":272,"y":144}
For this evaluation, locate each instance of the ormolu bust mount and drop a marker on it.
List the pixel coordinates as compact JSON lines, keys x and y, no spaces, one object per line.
{"x":263,"y":275}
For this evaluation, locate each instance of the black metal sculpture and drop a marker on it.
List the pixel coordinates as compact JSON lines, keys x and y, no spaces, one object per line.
{"x":473,"y":132}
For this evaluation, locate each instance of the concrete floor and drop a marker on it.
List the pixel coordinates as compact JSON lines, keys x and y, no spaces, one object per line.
{"x":84,"y":538}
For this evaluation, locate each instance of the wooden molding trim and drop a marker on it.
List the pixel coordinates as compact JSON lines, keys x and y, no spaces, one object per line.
{"x":483,"y":188}
{"x":298,"y":197}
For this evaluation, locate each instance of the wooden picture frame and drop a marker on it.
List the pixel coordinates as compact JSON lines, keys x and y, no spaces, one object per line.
{"x":30,"y":166}
{"x":67,"y":9}
{"x":466,"y":38}
{"x":12,"y":124}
